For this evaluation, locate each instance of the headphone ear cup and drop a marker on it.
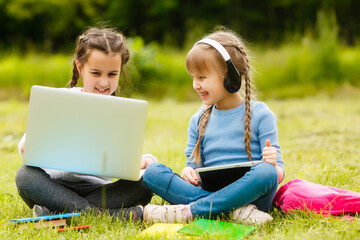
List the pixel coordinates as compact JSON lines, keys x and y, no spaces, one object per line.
{"x":227,"y":83}
{"x":232,"y":80}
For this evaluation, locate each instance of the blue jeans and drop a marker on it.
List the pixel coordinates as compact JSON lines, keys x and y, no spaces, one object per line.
{"x":258,"y":186}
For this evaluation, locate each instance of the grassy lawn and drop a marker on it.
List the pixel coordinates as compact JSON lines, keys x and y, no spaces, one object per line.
{"x":319,"y":138}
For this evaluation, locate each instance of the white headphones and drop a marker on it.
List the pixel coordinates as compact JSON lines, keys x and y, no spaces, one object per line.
{"x":232,"y":80}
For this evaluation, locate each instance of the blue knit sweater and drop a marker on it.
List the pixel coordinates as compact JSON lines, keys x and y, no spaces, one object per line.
{"x":223,"y":141}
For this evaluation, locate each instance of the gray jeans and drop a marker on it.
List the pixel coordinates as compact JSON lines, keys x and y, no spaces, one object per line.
{"x":36,"y":187}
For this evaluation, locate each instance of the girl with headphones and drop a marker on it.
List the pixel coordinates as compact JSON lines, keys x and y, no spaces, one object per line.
{"x":229,"y":129}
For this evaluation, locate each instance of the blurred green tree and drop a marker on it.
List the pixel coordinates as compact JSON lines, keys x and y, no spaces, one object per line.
{"x":48,"y":23}
{"x":52,"y":25}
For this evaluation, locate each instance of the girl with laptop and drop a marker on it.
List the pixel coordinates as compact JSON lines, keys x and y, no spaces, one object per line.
{"x":230,"y":129}
{"x":99,"y":61}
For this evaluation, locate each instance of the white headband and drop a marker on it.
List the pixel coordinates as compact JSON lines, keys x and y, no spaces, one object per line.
{"x":217,"y":46}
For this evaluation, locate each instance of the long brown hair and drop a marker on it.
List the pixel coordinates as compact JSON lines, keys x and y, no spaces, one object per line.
{"x":107,"y":40}
{"x":198,"y":58}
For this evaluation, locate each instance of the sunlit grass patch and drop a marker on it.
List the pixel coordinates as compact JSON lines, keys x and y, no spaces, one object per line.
{"x":319,"y":139}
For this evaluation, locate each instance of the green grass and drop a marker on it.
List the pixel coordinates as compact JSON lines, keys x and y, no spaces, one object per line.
{"x":319,"y":139}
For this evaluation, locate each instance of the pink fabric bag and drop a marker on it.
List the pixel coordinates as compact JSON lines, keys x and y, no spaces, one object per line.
{"x":299,"y":194}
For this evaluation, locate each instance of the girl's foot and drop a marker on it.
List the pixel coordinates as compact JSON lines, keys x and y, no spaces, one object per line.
{"x":249,"y":214}
{"x":166,"y":213}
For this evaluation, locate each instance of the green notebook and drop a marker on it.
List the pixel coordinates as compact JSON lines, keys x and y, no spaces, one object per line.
{"x":217,"y":228}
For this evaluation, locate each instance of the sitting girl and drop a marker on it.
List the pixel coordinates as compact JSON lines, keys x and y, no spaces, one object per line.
{"x":99,"y":60}
{"x":229,"y":129}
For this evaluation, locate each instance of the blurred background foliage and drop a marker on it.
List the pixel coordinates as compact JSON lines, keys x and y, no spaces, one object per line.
{"x":298,"y":47}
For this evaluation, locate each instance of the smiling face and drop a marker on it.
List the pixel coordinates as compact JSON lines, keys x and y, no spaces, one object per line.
{"x":209,"y":85}
{"x":100,"y":73}
{"x":208,"y":71}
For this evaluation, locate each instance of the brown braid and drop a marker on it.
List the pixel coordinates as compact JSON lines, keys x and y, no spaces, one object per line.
{"x":247,"y":116}
{"x":201,"y":129}
{"x":247,"y":102}
{"x":75,"y":76}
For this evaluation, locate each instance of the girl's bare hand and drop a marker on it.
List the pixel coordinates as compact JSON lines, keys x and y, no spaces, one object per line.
{"x":189,"y":175}
{"x":145,"y":161}
{"x":22,"y":146}
{"x":269,"y":153}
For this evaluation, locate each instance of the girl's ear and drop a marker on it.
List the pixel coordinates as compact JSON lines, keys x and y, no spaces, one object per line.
{"x":78,"y":66}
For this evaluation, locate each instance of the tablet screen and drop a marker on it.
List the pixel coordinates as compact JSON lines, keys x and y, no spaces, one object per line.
{"x":214,"y":180}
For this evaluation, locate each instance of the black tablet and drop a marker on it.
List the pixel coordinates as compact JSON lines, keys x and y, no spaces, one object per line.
{"x":214,"y":178}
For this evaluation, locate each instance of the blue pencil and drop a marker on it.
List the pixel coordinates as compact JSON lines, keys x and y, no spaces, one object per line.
{"x":45,"y":218}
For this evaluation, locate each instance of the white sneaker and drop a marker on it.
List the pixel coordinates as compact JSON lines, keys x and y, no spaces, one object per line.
{"x":164,"y":214}
{"x":249,"y":214}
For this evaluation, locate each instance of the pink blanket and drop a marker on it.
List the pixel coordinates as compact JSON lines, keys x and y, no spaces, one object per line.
{"x":299,"y":194}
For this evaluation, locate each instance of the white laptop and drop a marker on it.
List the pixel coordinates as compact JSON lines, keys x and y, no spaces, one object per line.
{"x":214,"y":178}
{"x":85,"y":133}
